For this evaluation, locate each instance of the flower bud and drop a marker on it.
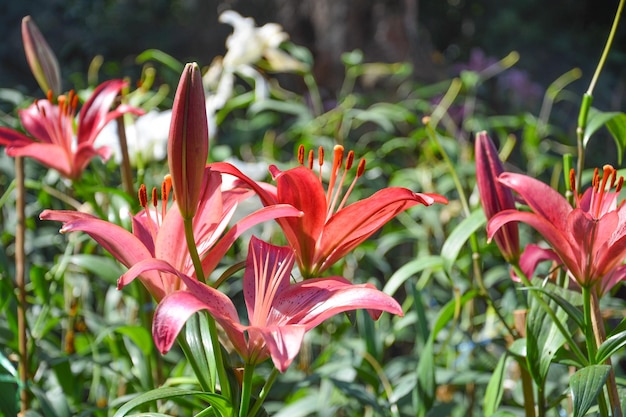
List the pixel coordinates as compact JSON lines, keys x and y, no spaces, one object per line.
{"x":188,"y":144}
{"x":42,"y":61}
{"x":495,"y":197}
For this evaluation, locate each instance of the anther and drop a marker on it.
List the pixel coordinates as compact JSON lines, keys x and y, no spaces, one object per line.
{"x":301,"y":154}
{"x":572,"y":180}
{"x":311,"y":158}
{"x":155,"y":198}
{"x":349,"y":160}
{"x":361,"y":168}
{"x":143,"y":196}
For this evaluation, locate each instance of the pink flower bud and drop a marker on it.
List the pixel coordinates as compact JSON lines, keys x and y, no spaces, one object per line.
{"x":188,"y":144}
{"x":42,"y":61}
{"x":495,"y":197}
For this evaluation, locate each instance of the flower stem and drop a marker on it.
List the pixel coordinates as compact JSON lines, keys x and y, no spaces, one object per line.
{"x":597,"y":324}
{"x":127,"y":173}
{"x":20,"y":281}
{"x":193,"y":250}
{"x":588,"y":96}
{"x":246,"y":390}
{"x":217,"y":348}
{"x":590,"y":341}
{"x":264,"y":392}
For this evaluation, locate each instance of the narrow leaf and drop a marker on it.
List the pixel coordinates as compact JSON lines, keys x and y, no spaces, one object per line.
{"x":495,"y":388}
{"x":409,"y":269}
{"x":611,"y":346}
{"x":452,"y":246}
{"x":543,"y":339}
{"x":221,"y":404}
{"x":586,"y":384}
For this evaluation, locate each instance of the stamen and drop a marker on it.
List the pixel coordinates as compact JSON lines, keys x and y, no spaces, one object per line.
{"x":49,"y":96}
{"x":311,"y":158}
{"x":572,"y":181}
{"x":360,"y":170}
{"x":301,"y":154}
{"x":337,"y":161}
{"x":166,"y":187}
{"x":320,"y":160}
{"x":350,"y":160}
{"x":143,"y":196}
{"x":155,"y":198}
{"x":620,"y":183}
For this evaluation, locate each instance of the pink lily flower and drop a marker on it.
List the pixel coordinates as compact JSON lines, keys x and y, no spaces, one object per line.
{"x":589,"y":239}
{"x":330,"y":228}
{"x":495,"y":197}
{"x":159,"y":233}
{"x":51,"y":127}
{"x":279,"y":312}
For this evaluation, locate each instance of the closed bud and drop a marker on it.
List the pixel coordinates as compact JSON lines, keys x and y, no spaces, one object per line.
{"x":42,"y":61}
{"x":188,"y":144}
{"x":495,"y":197}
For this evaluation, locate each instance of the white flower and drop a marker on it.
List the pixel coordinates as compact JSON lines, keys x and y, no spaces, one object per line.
{"x":146,"y":137}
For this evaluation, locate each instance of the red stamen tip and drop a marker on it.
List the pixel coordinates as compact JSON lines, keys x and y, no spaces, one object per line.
{"x":572,"y":180}
{"x":301,"y":154}
{"x":361,"y":168}
{"x":311,"y":158}
{"x":155,"y":197}
{"x":143,"y":196}
{"x":349,"y":160}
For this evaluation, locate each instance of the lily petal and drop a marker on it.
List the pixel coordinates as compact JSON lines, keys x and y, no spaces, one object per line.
{"x":350,"y":226}
{"x":544,"y":200}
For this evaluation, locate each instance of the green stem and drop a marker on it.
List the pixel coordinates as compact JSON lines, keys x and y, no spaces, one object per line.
{"x":466,"y":209}
{"x":541,"y":402}
{"x":264,"y":392}
{"x":20,"y":281}
{"x":588,"y":96}
{"x":193,"y":250}
{"x":607,"y":47}
{"x":246,"y":390}
{"x":219,"y":360}
{"x":590,"y":341}
{"x":564,"y":332}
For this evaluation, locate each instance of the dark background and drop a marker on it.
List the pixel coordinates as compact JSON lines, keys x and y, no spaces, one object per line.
{"x":551,"y":37}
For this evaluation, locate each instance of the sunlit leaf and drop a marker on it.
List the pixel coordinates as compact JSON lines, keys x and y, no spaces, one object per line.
{"x":586,"y":384}
{"x":221,"y":404}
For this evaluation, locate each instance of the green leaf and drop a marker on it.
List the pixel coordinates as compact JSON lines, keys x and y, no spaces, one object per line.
{"x":102,"y":266}
{"x":615,"y":123}
{"x":409,"y":269}
{"x":221,"y":404}
{"x":586,"y":384}
{"x":452,"y":246}
{"x":610,"y":346}
{"x":140,"y":336}
{"x":495,"y":388}
{"x":552,"y":291}
{"x":162,"y":57}
{"x":426,"y":385}
{"x":617,"y":127}
{"x":543,"y":339}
